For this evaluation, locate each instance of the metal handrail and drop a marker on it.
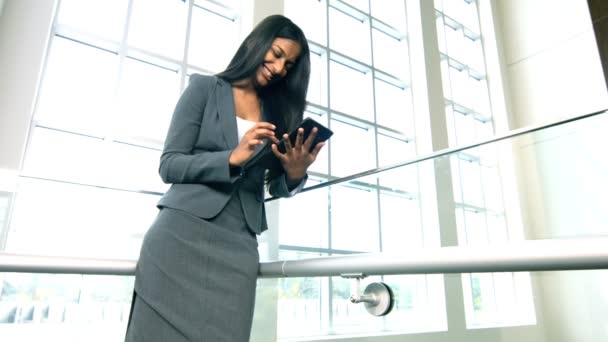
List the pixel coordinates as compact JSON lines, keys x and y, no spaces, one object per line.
{"x":530,"y":255}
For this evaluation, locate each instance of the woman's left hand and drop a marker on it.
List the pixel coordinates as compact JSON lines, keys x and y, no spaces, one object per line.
{"x":298,"y":158}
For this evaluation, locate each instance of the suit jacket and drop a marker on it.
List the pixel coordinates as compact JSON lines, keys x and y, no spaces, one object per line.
{"x":202,"y":134}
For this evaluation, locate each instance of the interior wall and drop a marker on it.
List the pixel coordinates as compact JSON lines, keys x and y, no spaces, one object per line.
{"x":24,"y":32}
{"x":553,"y":71}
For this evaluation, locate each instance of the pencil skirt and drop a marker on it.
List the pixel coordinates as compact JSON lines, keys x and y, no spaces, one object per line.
{"x":195,"y":279}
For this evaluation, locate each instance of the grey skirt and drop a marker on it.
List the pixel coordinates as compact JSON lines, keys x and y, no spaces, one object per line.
{"x":195,"y":279}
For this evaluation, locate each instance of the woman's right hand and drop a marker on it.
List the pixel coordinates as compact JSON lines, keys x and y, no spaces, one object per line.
{"x":253,"y":137}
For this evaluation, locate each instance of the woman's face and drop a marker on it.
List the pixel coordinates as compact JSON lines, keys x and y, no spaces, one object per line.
{"x":281,"y":56}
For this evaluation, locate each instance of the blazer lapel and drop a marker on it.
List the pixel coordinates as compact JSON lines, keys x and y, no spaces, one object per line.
{"x":227,"y":114}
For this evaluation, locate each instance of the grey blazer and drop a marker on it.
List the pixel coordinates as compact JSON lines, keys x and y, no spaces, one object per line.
{"x":202,"y":134}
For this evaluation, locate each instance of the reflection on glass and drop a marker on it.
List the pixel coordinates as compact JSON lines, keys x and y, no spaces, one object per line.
{"x":300,"y":302}
{"x":64,"y":307}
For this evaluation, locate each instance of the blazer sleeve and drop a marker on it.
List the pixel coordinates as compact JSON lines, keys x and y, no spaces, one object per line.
{"x":178,"y":163}
{"x":278,"y":186}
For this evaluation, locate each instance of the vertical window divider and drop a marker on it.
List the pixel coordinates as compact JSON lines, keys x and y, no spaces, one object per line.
{"x":184,"y":62}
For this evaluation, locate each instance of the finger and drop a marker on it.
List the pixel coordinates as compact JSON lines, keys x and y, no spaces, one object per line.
{"x":310,"y":139}
{"x":254,"y":142}
{"x":299,"y":138}
{"x":263,"y":124}
{"x":277,"y":153}
{"x":317,"y":149}
{"x":263,"y":133}
{"x":287,"y":143}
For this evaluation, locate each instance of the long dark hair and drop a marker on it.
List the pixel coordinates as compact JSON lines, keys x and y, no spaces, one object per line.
{"x":283,"y":101}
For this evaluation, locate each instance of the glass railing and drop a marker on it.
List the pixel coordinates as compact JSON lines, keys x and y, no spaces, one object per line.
{"x":545,"y":182}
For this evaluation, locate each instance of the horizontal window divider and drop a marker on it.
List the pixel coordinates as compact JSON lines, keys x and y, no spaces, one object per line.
{"x":464,"y":110}
{"x":349,"y":10}
{"x":476,"y":209}
{"x":316,"y":48}
{"x":388,"y":29}
{"x":139,"y":58}
{"x":468,"y":157}
{"x":455,"y":24}
{"x":461,"y":66}
{"x":521,"y":256}
{"x":394,"y":134}
{"x":452,"y":150}
{"x":153,"y":58}
{"x":217,"y":8}
{"x":79,"y":40}
{"x":385,"y":190}
{"x":351,"y":120}
{"x":316,"y":108}
{"x":84,"y":135}
{"x":133,"y":144}
{"x":104,"y":187}
{"x":390,"y":79}
{"x":349,"y":62}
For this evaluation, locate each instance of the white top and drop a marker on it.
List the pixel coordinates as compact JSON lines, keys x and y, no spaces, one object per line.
{"x":242,"y":126}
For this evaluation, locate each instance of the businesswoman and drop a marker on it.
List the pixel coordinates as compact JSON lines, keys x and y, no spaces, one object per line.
{"x":197,"y":271}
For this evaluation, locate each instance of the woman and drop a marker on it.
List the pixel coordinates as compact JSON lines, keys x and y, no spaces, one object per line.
{"x":196,"y":275}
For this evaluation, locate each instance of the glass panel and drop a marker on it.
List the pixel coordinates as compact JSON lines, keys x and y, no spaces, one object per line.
{"x":102,"y":18}
{"x":391,"y":12}
{"x":64,"y":102}
{"x":354,"y":218}
{"x":394,"y":108}
{"x":147,"y":94}
{"x":223,"y":45}
{"x":317,"y":86}
{"x":82,"y":221}
{"x":362,"y":5}
{"x":390,"y":152}
{"x":341,"y":32}
{"x":300,"y":303}
{"x":311,"y":232}
{"x":80,"y":159}
{"x":62,"y":307}
{"x":351,"y":91}
{"x":300,"y":11}
{"x":401,"y":224}
{"x":349,"y":139}
{"x":159,"y":26}
{"x":391,"y":55}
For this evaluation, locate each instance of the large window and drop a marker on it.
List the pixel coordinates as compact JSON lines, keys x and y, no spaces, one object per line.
{"x":361,"y":86}
{"x":114,"y":72}
{"x":490,"y":299}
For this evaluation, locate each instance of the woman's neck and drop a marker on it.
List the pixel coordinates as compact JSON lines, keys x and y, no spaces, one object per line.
{"x":247,"y":103}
